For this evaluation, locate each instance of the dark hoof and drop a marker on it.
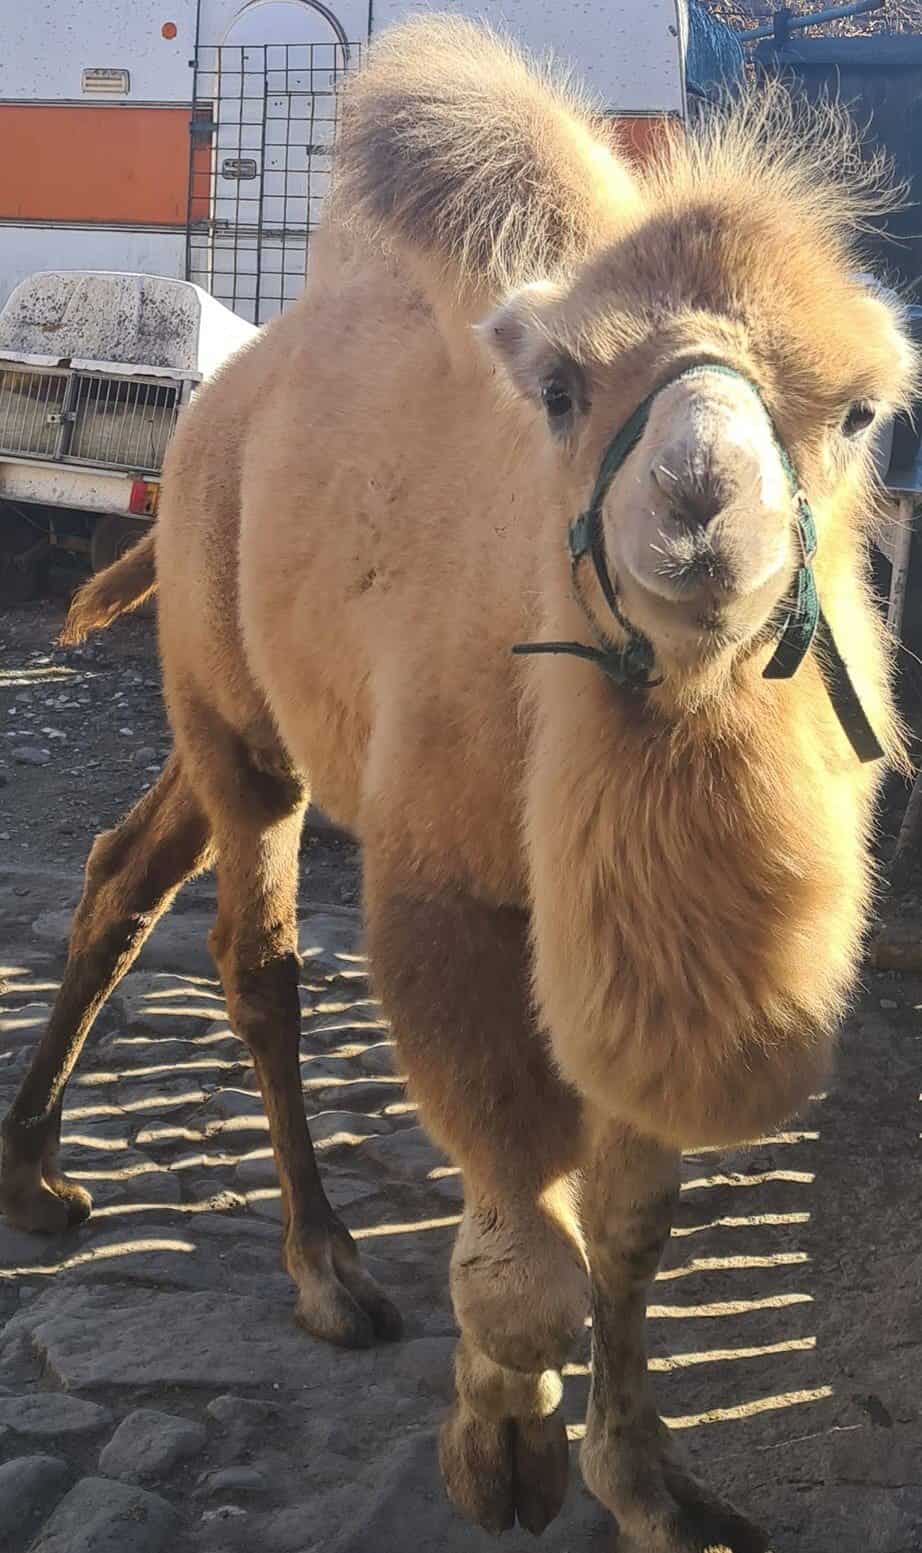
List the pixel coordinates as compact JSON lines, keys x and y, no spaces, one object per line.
{"x":46,"y":1209}
{"x":497,"y":1473}
{"x":338,"y":1301}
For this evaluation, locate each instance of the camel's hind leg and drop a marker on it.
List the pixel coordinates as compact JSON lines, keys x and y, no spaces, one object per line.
{"x":628,"y":1458}
{"x":453,"y":975}
{"x":256,"y":804}
{"x":132,"y":874}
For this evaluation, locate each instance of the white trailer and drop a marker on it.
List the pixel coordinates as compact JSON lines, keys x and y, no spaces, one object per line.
{"x":192,"y":138}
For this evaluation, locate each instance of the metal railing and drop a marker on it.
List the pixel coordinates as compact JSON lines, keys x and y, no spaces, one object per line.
{"x":87,"y":418}
{"x":31,"y":411}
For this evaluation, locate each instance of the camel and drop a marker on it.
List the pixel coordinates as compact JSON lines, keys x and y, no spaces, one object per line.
{"x":527,"y":544}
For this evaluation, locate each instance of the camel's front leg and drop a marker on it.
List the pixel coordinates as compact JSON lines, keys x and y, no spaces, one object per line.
{"x":454,"y":975}
{"x":628,"y":1458}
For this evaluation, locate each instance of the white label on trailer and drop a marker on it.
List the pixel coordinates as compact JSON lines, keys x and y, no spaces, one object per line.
{"x":107,"y":83}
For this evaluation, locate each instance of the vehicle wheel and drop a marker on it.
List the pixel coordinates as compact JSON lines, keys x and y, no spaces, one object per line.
{"x":110,"y":539}
{"x":20,"y":571}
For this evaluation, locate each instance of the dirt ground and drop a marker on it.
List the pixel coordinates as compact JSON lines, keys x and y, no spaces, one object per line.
{"x":154,"y":1391}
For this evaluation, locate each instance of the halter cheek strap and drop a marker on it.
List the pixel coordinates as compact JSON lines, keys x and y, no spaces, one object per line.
{"x":630,"y":664}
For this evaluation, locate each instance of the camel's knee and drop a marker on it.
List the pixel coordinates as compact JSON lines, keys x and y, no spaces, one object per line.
{"x":157,"y":845}
{"x":519,"y":1288}
{"x":262,"y":994}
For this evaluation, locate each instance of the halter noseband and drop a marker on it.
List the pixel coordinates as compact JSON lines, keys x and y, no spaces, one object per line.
{"x":630,"y":664}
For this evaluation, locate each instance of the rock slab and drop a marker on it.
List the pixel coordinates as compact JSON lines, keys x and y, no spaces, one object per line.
{"x":147,"y":1444}
{"x":50,"y":1416}
{"x":99,"y":1516}
{"x":30,"y":1486}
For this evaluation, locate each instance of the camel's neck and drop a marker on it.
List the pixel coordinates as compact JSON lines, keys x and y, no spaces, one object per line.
{"x":700,"y":881}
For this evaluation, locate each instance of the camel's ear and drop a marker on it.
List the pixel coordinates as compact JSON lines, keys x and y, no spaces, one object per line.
{"x":900,"y":363}
{"x":516,"y":335}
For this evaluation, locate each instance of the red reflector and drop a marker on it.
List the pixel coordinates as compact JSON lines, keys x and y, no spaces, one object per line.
{"x":143,"y":498}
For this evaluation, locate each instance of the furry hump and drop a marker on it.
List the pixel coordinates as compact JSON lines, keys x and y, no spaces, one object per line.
{"x":484,"y":170}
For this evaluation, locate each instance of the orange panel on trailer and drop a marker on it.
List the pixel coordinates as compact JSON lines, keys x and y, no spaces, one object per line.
{"x":94,"y":163}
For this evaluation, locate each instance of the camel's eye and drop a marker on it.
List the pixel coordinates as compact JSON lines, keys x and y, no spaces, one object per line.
{"x":859,"y":418}
{"x":556,"y":398}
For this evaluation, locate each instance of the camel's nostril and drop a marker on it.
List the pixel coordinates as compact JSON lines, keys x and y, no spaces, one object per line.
{"x":695,"y":496}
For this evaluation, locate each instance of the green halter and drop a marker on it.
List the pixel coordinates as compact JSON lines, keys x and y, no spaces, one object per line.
{"x":630,"y":664}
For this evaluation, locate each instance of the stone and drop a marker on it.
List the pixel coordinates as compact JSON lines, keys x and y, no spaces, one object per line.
{"x":153,"y":1338}
{"x":224,"y":1512}
{"x":232,"y":1103}
{"x":319,"y":1071}
{"x":48,"y":1415}
{"x":329,"y":945}
{"x":345,"y":1191}
{"x":127,"y":1177}
{"x":366,"y":1094}
{"x":25,"y":1023}
{"x":379,"y":1058}
{"x":101,"y":1516}
{"x":407,"y":1154}
{"x":148,"y":1444}
{"x":343,"y":1129}
{"x":256,"y":1170}
{"x":168,"y":1006}
{"x":30,"y":1486}
{"x":235,"y":1480}
{"x":449,"y":1184}
{"x":31,"y":755}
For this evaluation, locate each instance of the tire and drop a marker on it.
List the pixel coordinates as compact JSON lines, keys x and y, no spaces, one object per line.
{"x":110,"y":538}
{"x":20,"y":579}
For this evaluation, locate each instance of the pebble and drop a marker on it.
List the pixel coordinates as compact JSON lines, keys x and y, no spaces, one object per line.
{"x":144,"y":756}
{"x":48,"y":1415}
{"x":100,"y":1516}
{"x":888,"y":1003}
{"x":224,"y":1512}
{"x":147,"y":1444}
{"x":30,"y":1486}
{"x":235,"y":1480}
{"x":31,"y":755}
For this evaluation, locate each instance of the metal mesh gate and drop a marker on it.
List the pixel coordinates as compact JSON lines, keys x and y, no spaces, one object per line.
{"x":87,"y":418}
{"x":261,"y":158}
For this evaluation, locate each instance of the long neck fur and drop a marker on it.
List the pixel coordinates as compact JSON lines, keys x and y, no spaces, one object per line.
{"x":700,"y":881}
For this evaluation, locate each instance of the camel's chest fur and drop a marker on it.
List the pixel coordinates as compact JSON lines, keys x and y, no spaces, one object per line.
{"x":698,"y":910}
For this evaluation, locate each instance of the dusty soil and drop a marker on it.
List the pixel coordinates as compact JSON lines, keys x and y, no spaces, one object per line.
{"x":154,"y":1392}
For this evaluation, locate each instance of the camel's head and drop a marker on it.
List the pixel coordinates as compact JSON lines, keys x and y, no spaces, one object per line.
{"x":728,"y":266}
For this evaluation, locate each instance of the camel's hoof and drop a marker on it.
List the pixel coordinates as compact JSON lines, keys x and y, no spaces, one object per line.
{"x":78,"y":1200}
{"x":704,"y":1523}
{"x":45,"y":1209}
{"x":338,"y":1300}
{"x":699,"y":1523}
{"x":496,"y":1473}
